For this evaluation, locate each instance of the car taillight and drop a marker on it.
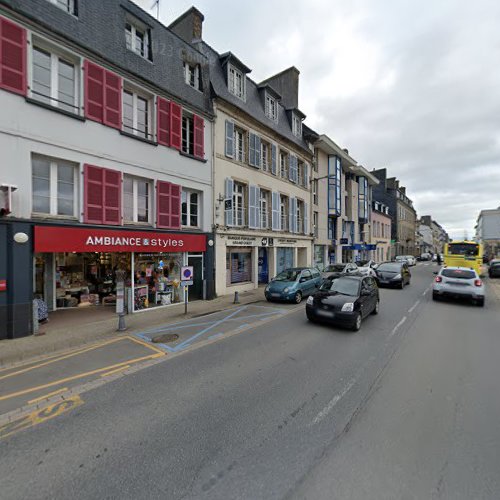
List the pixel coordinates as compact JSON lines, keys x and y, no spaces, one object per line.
{"x":478,"y":283}
{"x":439,"y":279}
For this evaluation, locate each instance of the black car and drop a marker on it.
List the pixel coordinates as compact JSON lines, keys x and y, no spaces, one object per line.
{"x":344,"y":301}
{"x":393,"y":274}
{"x":494,"y":269}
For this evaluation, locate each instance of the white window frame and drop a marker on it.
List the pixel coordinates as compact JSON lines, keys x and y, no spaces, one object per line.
{"x":69,"y":7}
{"x":135,"y":27}
{"x":299,"y":220}
{"x":271,"y":107}
{"x":239,"y":144}
{"x":188,"y":193}
{"x":150,"y":125}
{"x":264,"y":208}
{"x":284,"y":211}
{"x":239,"y":203}
{"x":283,"y":164}
{"x":187,"y":127}
{"x":315,"y":191}
{"x":56,"y":54}
{"x":237,"y":89}
{"x":296,"y":125}
{"x":188,"y":69}
{"x":135,"y":204}
{"x":54,"y":163}
{"x":265,"y":159}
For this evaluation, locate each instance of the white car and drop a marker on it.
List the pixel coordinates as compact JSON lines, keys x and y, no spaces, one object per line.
{"x":409,"y":259}
{"x":458,"y":282}
{"x":367,"y":267}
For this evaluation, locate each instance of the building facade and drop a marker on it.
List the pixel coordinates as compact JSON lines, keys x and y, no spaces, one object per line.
{"x":106,"y":135}
{"x":381,"y":232}
{"x":488,"y":232}
{"x":439,"y":235}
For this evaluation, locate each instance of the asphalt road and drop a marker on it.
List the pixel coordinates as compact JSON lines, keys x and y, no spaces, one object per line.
{"x":407,"y":408}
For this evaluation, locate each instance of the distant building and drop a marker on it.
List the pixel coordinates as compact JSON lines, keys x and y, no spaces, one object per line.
{"x":439,"y":235}
{"x":381,"y":231}
{"x":488,"y":231}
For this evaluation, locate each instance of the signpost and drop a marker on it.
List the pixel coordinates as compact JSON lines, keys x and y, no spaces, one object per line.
{"x":120,"y":299}
{"x":187,"y":275}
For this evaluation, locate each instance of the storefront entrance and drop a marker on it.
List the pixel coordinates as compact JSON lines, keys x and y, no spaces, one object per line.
{"x":284,"y":257}
{"x":263,"y":266}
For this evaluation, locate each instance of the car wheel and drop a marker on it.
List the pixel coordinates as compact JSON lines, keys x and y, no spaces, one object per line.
{"x":435,"y":296}
{"x":310,"y":318}
{"x":357,"y":323}
{"x":268,"y":299}
{"x":480,"y":302}
{"x":297,"y":297}
{"x":376,"y":308}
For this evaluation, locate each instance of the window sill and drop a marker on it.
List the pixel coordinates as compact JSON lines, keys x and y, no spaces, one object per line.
{"x":140,"y":224}
{"x":39,"y":215}
{"x":138,"y":138}
{"x":193,"y":157}
{"x":55,"y":108}
{"x":140,"y":55}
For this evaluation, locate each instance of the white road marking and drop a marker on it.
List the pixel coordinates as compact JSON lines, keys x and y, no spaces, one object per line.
{"x":394,"y":330}
{"x":329,"y":407}
{"x":412,"y":308}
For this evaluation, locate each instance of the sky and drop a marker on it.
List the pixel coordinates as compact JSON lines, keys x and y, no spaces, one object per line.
{"x":410,"y":86}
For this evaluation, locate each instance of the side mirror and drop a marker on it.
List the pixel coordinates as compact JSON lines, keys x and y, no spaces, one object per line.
{"x":302,"y":280}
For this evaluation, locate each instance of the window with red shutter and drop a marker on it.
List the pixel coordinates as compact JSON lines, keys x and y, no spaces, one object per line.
{"x":175,"y":206}
{"x":93,"y":196}
{"x":112,"y":197}
{"x":163,"y":120}
{"x":112,"y":100}
{"x":168,"y":205}
{"x":199,"y":133}
{"x":175,"y":125}
{"x":12,"y":57}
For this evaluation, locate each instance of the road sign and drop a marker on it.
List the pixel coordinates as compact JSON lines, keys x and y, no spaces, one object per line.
{"x":187,"y":273}
{"x":186,"y":283}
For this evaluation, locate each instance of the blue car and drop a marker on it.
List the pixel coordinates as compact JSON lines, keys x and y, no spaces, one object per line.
{"x":293,"y":284}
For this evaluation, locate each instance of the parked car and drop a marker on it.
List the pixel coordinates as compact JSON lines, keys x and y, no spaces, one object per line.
{"x":393,"y":274}
{"x":401,"y":258}
{"x":412,"y":261}
{"x":344,"y":301}
{"x":425,"y":256}
{"x":494,"y":269}
{"x":434,"y":257}
{"x":293,"y":284}
{"x":339,"y":269}
{"x":367,"y":267}
{"x":458,"y":282}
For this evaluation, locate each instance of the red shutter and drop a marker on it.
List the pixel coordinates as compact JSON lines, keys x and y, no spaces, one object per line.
{"x":163,"y":204}
{"x":199,"y":136}
{"x":94,"y":91}
{"x":163,"y":119}
{"x":175,"y":125}
{"x":112,"y":197}
{"x":112,"y":100}
{"x":93,"y":195}
{"x":12,"y":57}
{"x":175,"y":206}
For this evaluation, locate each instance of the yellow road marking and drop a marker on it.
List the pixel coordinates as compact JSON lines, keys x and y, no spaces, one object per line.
{"x":115,"y":371}
{"x":64,"y":389}
{"x":80,"y":375}
{"x":145,"y":344}
{"x":45,"y":363}
{"x":39,"y":416}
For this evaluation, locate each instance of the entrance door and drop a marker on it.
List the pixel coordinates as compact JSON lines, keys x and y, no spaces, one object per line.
{"x":196,"y":289}
{"x":263,"y":266}
{"x":285,"y":259}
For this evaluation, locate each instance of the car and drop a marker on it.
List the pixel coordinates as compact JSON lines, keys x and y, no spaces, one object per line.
{"x":344,"y":301}
{"x":434,"y":257}
{"x":401,"y":258}
{"x":367,"y":267}
{"x":458,"y":282}
{"x":339,"y":269}
{"x":393,"y":274}
{"x":412,"y":261}
{"x":494,"y":269}
{"x":425,"y":256}
{"x":293,"y":284}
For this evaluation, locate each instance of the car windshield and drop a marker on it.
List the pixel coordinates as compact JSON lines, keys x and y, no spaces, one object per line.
{"x":458,"y":273}
{"x":288,"y":275}
{"x":342,"y":285}
{"x":389,"y":266}
{"x":335,"y":268}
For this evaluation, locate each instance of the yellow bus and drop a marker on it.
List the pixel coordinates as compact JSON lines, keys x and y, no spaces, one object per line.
{"x":464,"y":254}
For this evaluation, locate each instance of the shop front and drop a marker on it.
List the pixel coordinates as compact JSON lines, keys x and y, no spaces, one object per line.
{"x":79,"y":267}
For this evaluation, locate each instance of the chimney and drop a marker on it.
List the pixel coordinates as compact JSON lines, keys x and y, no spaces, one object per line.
{"x":189,"y":26}
{"x":286,"y":84}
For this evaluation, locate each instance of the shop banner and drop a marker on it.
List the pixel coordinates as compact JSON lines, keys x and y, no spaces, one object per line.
{"x":73,"y":239}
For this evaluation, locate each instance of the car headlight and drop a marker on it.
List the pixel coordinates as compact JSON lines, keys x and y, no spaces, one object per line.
{"x":286,"y":290}
{"x":266,"y":289}
{"x":397,"y":277}
{"x":348,"y":307}
{"x":310,"y":300}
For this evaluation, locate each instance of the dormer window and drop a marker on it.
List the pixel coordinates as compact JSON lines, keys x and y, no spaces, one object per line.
{"x":192,"y":75}
{"x":271,"y":107}
{"x":69,"y":6}
{"x":137,"y":39}
{"x":296,"y":126}
{"x":236,"y":82}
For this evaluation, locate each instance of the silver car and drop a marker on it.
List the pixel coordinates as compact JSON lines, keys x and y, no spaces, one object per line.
{"x":458,"y":282}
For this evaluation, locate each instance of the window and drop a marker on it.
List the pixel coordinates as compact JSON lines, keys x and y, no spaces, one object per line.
{"x":296,"y":125}
{"x":136,"y":114}
{"x":69,"y":6}
{"x":54,"y":79}
{"x":236,"y":82}
{"x":315,"y":191}
{"x":192,"y":75}
{"x":271,"y":108}
{"x":190,"y":208}
{"x":187,"y":134}
{"x":264,"y":209}
{"x":283,"y":212}
{"x":300,"y":173}
{"x":283,"y":165}
{"x":239,"y":204}
{"x":136,"y":199}
{"x":137,"y":39}
{"x":315,"y":224}
{"x":238,"y":266}
{"x":265,"y":156}
{"x":54,"y":190}
{"x":299,"y":223}
{"x":239,"y":144}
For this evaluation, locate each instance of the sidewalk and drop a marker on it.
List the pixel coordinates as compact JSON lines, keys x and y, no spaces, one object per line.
{"x":65,"y":334}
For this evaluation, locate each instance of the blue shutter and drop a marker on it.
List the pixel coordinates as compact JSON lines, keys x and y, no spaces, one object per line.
{"x":251,"y":155}
{"x":229,"y":139}
{"x":228,"y":207}
{"x":273,"y":159}
{"x":292,"y":216}
{"x":306,"y":219}
{"x":275,"y":211}
{"x":253,"y":207}
{"x":257,"y":151}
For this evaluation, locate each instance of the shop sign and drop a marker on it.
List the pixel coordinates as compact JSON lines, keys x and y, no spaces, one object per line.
{"x":73,"y":239}
{"x":286,"y":242}
{"x":267,"y":242}
{"x":241,"y":241}
{"x":3,"y":285}
{"x":344,"y":241}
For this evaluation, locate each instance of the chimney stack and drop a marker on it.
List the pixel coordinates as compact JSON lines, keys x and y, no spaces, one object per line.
{"x":189,"y":26}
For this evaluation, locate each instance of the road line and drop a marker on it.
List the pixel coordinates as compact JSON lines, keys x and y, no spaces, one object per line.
{"x":412,"y":308}
{"x":47,"y":396}
{"x":398,"y":325}
{"x":115,"y":371}
{"x":145,"y":344}
{"x":329,"y":407}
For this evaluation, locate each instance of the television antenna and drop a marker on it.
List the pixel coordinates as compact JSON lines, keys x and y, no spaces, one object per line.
{"x":156,"y":4}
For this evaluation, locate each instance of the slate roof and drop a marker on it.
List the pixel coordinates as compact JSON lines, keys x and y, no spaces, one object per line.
{"x":254,"y":104}
{"x":100,"y":29}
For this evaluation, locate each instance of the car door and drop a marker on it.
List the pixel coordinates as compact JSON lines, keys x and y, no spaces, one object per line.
{"x":306,"y":282}
{"x":364,"y":298}
{"x":373,"y":292}
{"x":316,"y":278}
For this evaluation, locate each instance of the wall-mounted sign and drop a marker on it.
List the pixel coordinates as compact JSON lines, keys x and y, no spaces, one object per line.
{"x":242,"y":241}
{"x":3,"y":285}
{"x":267,"y":242}
{"x":344,"y":241}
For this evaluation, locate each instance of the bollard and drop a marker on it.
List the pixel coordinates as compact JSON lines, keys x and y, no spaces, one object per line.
{"x":35,"y":318}
{"x":121,"y":322}
{"x":236,"y":298}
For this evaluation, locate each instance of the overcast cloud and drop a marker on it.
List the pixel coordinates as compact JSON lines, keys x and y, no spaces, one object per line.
{"x":411,"y":86}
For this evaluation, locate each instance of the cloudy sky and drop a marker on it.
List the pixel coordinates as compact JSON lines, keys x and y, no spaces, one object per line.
{"x":411,"y":86}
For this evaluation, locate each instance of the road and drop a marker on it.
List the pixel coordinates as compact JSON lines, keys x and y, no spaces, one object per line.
{"x":406,"y":408}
